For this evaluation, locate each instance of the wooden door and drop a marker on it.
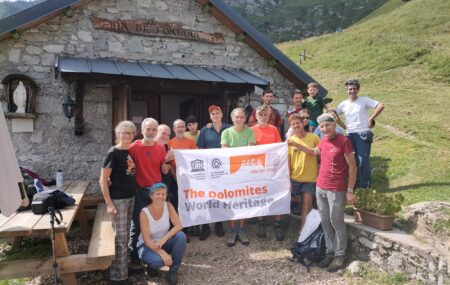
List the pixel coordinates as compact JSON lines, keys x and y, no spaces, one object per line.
{"x":120,"y":105}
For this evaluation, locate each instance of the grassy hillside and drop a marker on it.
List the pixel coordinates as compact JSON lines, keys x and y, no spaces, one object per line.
{"x":401,"y":54}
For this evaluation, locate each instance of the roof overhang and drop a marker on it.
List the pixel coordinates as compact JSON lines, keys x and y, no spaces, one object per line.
{"x":64,"y":65}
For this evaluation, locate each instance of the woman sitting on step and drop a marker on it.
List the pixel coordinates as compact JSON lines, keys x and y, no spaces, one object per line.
{"x":158,"y":246}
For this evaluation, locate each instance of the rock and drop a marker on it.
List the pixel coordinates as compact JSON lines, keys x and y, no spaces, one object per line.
{"x":85,"y":36}
{"x":54,"y":48}
{"x":48,"y":59}
{"x":367,"y":243}
{"x":14,"y":55}
{"x":354,"y":267}
{"x":33,"y":50}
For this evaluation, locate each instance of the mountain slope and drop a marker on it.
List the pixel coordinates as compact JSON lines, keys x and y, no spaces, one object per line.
{"x":401,"y":54}
{"x":283,"y":20}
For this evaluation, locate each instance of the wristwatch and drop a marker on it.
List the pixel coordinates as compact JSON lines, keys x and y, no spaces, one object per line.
{"x":349,"y":190}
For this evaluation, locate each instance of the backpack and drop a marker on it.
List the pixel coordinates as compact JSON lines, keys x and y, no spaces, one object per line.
{"x":311,"y":250}
{"x":53,"y":198}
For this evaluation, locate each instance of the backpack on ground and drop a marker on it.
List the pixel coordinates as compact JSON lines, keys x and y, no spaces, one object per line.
{"x":311,"y":250}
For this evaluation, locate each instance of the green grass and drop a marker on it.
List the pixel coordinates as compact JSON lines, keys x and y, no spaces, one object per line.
{"x":20,"y":281}
{"x":401,"y":54}
{"x":32,"y":248}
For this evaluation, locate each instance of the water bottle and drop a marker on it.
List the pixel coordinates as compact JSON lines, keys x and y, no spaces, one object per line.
{"x":59,"y":178}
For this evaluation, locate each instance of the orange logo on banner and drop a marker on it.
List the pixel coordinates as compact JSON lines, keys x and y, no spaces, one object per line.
{"x":246,"y":160}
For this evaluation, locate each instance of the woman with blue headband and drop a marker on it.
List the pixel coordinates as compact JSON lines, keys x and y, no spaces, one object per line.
{"x":158,"y":244}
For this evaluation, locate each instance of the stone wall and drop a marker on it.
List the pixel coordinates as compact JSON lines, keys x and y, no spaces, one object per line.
{"x":396,"y":251}
{"x":53,"y":144}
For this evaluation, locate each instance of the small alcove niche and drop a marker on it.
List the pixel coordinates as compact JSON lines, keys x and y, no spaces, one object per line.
{"x":23,"y":89}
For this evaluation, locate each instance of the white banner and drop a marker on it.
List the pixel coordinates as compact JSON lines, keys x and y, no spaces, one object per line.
{"x":232,"y":183}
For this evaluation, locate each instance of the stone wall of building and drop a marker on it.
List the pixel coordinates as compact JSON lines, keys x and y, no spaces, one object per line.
{"x":53,"y":144}
{"x":399,"y":252}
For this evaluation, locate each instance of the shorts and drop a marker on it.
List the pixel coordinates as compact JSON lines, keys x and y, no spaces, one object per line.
{"x":303,"y":187}
{"x":313,"y":123}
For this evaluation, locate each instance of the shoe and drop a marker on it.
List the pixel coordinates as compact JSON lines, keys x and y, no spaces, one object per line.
{"x":195,"y":231}
{"x":326,"y":260}
{"x":121,"y":282}
{"x":152,"y":272}
{"x":204,"y":234}
{"x":232,"y":239}
{"x":218,"y":229}
{"x":135,"y":266}
{"x":172,"y":276}
{"x":261,"y":230}
{"x":279,"y":233}
{"x":337,"y":263}
{"x":242,"y":237}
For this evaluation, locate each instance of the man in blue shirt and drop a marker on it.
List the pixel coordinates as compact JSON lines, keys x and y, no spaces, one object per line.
{"x":210,"y":138}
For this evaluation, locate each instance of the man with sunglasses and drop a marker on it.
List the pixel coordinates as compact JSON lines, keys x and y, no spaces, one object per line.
{"x":358,"y":124}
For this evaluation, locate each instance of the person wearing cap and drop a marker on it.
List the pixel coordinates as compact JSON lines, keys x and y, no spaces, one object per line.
{"x":266,"y":134}
{"x":160,"y":245}
{"x":339,"y":130}
{"x":334,"y":187}
{"x":358,"y":126}
{"x":118,"y":187}
{"x":303,"y":167}
{"x":236,"y":136}
{"x":274,"y":115}
{"x":210,"y":138}
{"x":192,"y":126}
{"x":151,"y":160}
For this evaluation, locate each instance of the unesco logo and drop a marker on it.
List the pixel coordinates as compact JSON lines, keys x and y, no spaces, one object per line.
{"x":216,"y":163}
{"x":197,"y":165}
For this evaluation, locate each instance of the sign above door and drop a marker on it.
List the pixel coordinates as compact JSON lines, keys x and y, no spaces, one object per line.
{"x":156,"y":29}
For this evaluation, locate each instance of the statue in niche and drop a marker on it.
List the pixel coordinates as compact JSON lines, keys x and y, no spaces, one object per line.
{"x":20,"y":98}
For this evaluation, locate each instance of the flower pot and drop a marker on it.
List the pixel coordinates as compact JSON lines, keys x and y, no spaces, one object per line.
{"x":382,"y":222}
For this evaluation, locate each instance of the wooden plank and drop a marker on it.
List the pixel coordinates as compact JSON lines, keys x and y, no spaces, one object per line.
{"x":102,"y":243}
{"x":19,"y":225}
{"x":76,"y":189}
{"x":92,"y":200}
{"x":69,"y":264}
{"x":61,"y":247}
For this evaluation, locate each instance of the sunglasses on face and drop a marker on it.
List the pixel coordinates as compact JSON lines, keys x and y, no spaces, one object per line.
{"x":304,"y":118}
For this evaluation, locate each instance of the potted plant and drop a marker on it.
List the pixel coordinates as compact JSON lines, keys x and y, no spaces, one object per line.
{"x":377,"y":209}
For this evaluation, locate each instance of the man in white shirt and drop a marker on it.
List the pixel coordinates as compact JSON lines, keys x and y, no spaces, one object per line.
{"x":358,"y":124}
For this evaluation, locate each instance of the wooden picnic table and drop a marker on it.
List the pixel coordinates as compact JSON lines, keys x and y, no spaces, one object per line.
{"x":25,"y":224}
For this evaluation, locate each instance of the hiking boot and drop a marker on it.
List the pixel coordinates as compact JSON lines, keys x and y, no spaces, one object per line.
{"x":279,"y":233}
{"x":261,"y":230}
{"x":121,"y":282}
{"x":326,"y":260}
{"x":232,"y":239}
{"x":218,"y":229}
{"x":337,"y":263}
{"x":242,"y":237}
{"x":172,"y":275}
{"x":152,"y":272}
{"x":135,"y":266}
{"x":204,"y":234}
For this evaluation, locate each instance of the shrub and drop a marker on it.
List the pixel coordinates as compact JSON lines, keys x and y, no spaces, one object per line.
{"x":378,"y":203}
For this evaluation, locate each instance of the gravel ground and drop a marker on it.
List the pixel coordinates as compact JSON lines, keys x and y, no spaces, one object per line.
{"x":264,"y":261}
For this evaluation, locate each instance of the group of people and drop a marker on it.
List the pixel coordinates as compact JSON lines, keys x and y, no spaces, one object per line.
{"x":138,"y":178}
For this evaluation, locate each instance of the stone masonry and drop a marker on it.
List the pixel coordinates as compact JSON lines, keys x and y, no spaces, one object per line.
{"x":397,"y":251}
{"x":53,"y":144}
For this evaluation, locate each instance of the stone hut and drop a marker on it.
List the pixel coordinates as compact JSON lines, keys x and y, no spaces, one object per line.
{"x":127,"y":59}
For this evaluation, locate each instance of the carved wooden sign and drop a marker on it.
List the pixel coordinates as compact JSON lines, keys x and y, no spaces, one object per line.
{"x":157,"y":29}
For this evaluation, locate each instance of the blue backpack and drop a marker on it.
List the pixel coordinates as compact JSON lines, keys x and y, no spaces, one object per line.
{"x":311,"y":250}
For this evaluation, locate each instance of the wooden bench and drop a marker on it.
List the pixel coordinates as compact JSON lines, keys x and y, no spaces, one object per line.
{"x":100,"y":254}
{"x":102,"y":243}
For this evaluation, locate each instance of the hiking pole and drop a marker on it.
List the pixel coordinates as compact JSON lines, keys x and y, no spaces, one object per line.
{"x":54,"y":218}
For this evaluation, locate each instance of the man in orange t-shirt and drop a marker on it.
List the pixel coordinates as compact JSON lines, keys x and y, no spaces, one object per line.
{"x":179,"y":142}
{"x":267,"y":134}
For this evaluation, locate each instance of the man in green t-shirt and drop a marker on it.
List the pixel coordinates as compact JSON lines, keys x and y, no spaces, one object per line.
{"x":236,"y":136}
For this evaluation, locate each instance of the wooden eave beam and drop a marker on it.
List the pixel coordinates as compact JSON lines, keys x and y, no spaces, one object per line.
{"x":79,"y":100}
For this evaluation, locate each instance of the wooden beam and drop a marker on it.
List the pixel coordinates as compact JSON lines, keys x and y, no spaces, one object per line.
{"x":69,"y":264}
{"x":79,"y":99}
